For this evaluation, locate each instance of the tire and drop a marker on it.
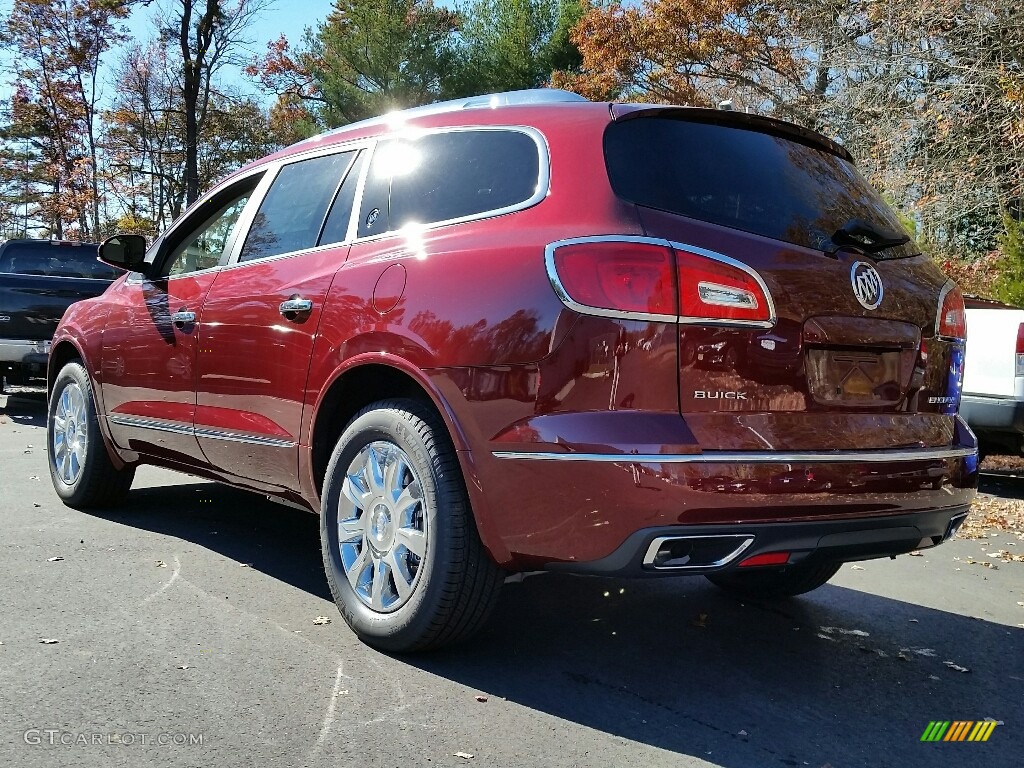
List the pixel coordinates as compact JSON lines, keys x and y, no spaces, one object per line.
{"x":400,"y":547}
{"x":773,"y":584}
{"x":82,"y":472}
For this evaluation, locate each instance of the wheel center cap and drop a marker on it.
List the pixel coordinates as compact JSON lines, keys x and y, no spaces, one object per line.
{"x":380,"y":526}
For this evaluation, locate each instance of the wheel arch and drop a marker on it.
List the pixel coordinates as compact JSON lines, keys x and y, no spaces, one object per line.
{"x":370,"y":378}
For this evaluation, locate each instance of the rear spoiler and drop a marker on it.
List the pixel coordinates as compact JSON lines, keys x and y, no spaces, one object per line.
{"x":745,"y":120}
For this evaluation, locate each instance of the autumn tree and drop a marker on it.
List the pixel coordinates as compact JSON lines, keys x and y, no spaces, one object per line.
{"x":59,"y":44}
{"x":145,"y":137}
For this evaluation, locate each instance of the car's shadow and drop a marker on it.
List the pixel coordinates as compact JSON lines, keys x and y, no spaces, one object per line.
{"x":839,"y":677}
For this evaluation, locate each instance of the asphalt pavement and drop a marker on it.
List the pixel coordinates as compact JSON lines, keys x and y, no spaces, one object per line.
{"x":182,"y":630}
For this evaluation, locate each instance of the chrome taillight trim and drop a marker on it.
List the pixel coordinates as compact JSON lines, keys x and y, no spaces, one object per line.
{"x":585,"y":309}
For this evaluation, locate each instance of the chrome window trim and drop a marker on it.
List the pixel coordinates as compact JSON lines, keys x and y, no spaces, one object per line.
{"x":652,"y":551}
{"x":274,"y":169}
{"x":187,"y":429}
{"x":243,"y":223}
{"x":585,"y":309}
{"x":748,"y":457}
{"x":543,"y":176}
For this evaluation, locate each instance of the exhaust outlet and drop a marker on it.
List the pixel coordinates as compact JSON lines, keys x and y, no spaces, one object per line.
{"x":678,"y":553}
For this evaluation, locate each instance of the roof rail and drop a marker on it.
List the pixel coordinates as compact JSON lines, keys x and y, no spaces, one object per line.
{"x":489,"y":100}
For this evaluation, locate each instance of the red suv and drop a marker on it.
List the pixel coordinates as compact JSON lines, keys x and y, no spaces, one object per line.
{"x":528,"y":331}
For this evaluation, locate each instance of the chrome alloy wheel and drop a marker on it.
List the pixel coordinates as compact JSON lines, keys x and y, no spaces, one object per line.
{"x":382,"y":526}
{"x":70,"y":431}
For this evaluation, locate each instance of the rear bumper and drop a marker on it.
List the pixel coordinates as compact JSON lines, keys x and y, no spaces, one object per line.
{"x":993,"y":414}
{"x":713,"y":549}
{"x":582,"y":511}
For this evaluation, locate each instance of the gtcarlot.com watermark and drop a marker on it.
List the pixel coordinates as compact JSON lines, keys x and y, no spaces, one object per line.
{"x":55,"y":737}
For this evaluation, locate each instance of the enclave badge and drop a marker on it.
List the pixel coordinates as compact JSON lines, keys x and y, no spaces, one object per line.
{"x":867,"y":285}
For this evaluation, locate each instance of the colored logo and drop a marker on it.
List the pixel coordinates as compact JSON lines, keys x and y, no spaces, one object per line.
{"x":959,"y":730}
{"x":867,"y":285}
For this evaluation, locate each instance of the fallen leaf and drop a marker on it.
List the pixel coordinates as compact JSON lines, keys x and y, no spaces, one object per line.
{"x":56,"y":559}
{"x":464,"y":755}
{"x":481,"y":699}
{"x":701,"y":621}
{"x":161,"y":564}
{"x":916,"y":553}
{"x":33,"y":477}
{"x":320,"y":620}
{"x":183,"y":666}
{"x":48,"y":641}
{"x":957,"y":667}
{"x":36,"y":505}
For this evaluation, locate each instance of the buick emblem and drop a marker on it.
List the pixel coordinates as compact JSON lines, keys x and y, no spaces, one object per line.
{"x":867,"y":285}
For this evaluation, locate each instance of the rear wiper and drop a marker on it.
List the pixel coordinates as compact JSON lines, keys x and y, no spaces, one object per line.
{"x":859,"y":234}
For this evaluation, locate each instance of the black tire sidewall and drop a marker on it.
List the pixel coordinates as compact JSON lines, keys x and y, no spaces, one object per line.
{"x":392,"y":423}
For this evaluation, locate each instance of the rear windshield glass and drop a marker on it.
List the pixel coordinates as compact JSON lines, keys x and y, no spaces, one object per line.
{"x":53,"y":260}
{"x":747,"y":180}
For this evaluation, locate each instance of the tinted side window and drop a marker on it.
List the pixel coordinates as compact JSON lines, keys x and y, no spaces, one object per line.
{"x":292,"y":213}
{"x":336,"y":226}
{"x":445,"y":176}
{"x":55,"y":261}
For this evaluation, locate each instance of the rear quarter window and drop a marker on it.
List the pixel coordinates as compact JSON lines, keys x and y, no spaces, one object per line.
{"x":744,"y":179}
{"x":446,"y":176}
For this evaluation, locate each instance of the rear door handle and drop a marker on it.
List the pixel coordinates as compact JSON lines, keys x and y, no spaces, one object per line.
{"x":292,"y":306}
{"x":183,"y":317}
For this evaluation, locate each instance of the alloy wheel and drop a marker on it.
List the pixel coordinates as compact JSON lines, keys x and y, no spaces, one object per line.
{"x":382,"y":526}
{"x":70,"y":432}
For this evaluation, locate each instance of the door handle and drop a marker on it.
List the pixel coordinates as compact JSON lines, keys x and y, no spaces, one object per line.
{"x":183,"y":317}
{"x":292,"y":306}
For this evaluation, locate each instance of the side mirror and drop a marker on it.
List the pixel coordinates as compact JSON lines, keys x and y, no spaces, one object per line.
{"x":124,"y":252}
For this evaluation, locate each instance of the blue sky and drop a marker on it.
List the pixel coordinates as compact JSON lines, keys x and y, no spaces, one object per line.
{"x":288,"y":17}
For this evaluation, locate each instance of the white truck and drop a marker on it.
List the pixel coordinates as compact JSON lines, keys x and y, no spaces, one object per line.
{"x":992,"y":400}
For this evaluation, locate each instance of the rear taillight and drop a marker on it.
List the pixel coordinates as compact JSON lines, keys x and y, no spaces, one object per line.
{"x":952,"y":319}
{"x":1019,"y":371}
{"x":632,"y":278}
{"x":639,"y":278}
{"x":719,"y":290}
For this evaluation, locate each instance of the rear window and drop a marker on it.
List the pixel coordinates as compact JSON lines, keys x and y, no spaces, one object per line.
{"x":55,"y":260}
{"x":745,"y":179}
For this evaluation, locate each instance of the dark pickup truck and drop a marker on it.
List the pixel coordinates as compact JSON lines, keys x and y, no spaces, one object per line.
{"x":39,"y":280}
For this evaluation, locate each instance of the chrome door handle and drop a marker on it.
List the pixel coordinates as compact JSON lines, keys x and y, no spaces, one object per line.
{"x":183,"y":317}
{"x":295,"y":305}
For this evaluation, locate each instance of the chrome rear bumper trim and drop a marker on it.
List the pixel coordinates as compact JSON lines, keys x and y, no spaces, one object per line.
{"x":749,"y":457}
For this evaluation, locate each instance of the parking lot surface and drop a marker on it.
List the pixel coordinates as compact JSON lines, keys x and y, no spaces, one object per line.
{"x":183,"y":630}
